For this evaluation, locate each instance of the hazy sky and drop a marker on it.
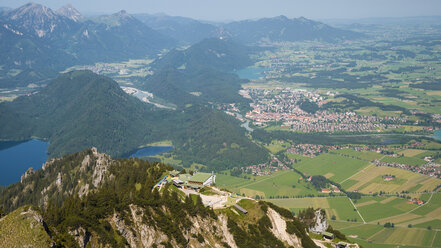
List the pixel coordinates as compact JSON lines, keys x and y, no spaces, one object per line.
{"x":220,"y":10}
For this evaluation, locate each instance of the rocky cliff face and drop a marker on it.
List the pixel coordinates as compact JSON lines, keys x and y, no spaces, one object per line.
{"x":70,"y":12}
{"x":204,"y":232}
{"x":76,"y":174}
{"x":319,"y":224}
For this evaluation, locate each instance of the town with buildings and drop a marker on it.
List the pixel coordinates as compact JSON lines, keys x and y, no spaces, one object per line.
{"x":284,"y":105}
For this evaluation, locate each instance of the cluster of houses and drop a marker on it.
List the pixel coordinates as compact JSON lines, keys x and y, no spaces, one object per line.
{"x":309,"y":150}
{"x":416,"y":201}
{"x":334,"y":189}
{"x":194,"y":181}
{"x":266,"y":168}
{"x":428,"y":169}
{"x":283,"y":104}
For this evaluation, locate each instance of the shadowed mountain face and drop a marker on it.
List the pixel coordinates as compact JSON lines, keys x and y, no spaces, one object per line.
{"x":77,"y":110}
{"x":282,"y":28}
{"x":38,"y":42}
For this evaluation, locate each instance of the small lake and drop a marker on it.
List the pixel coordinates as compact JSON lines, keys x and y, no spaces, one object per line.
{"x":251,"y":73}
{"x":17,"y":157}
{"x":150,"y":151}
{"x":437,"y":135}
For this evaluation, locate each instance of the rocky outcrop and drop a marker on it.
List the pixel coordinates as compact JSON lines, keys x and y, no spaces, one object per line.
{"x":102,"y":164}
{"x":279,"y":229}
{"x":63,"y":176}
{"x":139,"y":234}
{"x":59,"y":182}
{"x":27,"y":173}
{"x":228,"y":237}
{"x":319,"y":224}
{"x":81,"y":235}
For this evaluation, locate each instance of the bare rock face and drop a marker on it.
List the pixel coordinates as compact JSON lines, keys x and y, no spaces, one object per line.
{"x":85,"y":163}
{"x":142,"y":234}
{"x":319,"y":224}
{"x":229,"y":239}
{"x":279,"y":229}
{"x":59,"y":182}
{"x":138,"y":234}
{"x":27,"y":173}
{"x":83,"y":190}
{"x":81,"y":235}
{"x":48,"y":164}
{"x":101,"y":168}
{"x":70,"y":12}
{"x":124,"y":230}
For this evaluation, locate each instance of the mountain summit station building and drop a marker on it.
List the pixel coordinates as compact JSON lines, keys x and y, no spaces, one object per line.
{"x":202,"y":179}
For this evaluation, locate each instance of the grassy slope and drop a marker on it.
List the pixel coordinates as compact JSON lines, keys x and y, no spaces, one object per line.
{"x":21,"y":229}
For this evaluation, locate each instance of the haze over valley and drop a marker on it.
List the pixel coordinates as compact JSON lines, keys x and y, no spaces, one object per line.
{"x":132,"y":129}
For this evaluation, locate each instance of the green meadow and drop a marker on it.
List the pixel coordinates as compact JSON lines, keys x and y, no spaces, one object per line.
{"x":335,"y":167}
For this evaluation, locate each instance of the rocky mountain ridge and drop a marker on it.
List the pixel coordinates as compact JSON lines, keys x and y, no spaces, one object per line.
{"x":88,"y":199}
{"x":38,"y":43}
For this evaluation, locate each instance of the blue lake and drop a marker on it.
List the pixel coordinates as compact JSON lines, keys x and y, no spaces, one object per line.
{"x":251,"y":73}
{"x":16,"y":158}
{"x":150,"y":151}
{"x":437,"y":134}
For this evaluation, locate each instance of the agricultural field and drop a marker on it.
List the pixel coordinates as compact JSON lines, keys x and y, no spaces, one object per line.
{"x":404,"y":160}
{"x":278,"y":184}
{"x":415,"y":226}
{"x":376,"y":211}
{"x":370,"y":180}
{"x":379,"y":236}
{"x":412,"y":153}
{"x":340,"y":207}
{"x":336,"y":167}
{"x":390,"y":206}
{"x":363,"y":155}
{"x":397,"y":81}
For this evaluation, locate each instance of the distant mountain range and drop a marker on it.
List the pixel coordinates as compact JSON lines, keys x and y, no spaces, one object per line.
{"x":182,"y":29}
{"x":38,"y":42}
{"x":275,"y":29}
{"x":282,"y":28}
